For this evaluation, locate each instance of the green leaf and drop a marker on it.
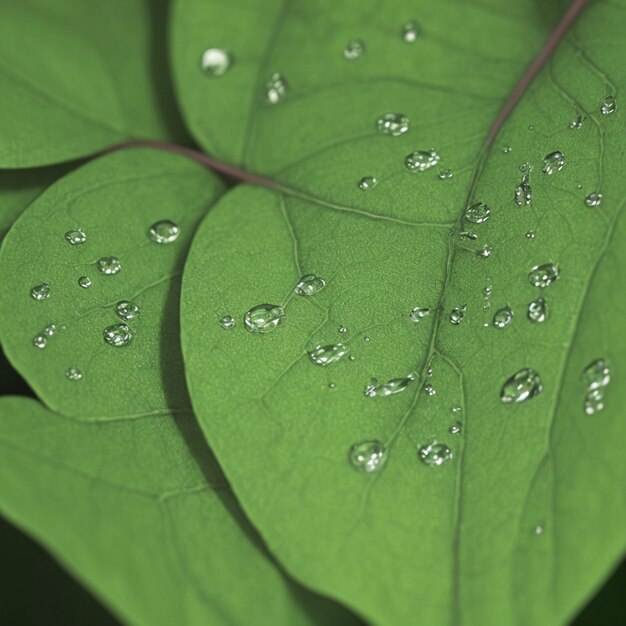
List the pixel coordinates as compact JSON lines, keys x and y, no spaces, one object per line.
{"x":137,"y":509}
{"x":77,"y":77}
{"x":413,"y":544}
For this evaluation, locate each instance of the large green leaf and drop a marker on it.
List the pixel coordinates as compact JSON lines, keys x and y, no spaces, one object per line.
{"x":139,"y":511}
{"x":78,"y":76}
{"x":458,"y":543}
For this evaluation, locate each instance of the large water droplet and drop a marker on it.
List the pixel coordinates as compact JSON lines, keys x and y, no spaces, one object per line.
{"x":457,"y":315}
{"x":394,"y":124}
{"x":410,"y":31}
{"x":543,"y":275}
{"x":118,"y":335}
{"x":76,"y":237}
{"x":593,"y":199}
{"x":434,"y":454}
{"x":421,"y":160}
{"x":537,"y":311}
{"x":276,"y":88}
{"x":367,"y":182}
{"x":325,"y":355}
{"x":390,"y":388}
{"x":523,"y":385}
{"x":215,"y":62}
{"x":73,"y":373}
{"x":227,"y":322}
{"x":127,"y":310}
{"x":40,"y":292}
{"x":594,"y":401}
{"x":84,"y":282}
{"x":523,"y":192}
{"x":164,"y":231}
{"x":417,"y":314}
{"x":367,"y":456}
{"x":597,"y":374}
{"x":477,"y":213}
{"x":263,"y":318}
{"x":309,"y":285}
{"x":608,"y":106}
{"x":553,"y":162}
{"x":354,"y":49}
{"x":108,"y":265}
{"x":40,"y":341}
{"x":503,"y":317}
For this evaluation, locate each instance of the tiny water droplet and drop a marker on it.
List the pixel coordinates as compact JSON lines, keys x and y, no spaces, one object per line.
{"x":593,"y":199}
{"x":523,"y":385}
{"x":484,"y":252}
{"x":537,"y":311}
{"x":434,"y":454}
{"x":73,"y":373}
{"x":309,"y":285}
{"x":429,"y":389}
{"x":343,"y":330}
{"x":594,"y":401}
{"x":354,"y":49}
{"x":477,"y":213}
{"x":276,"y":88}
{"x":421,"y":160}
{"x":597,"y":374}
{"x":325,"y":355}
{"x":76,"y":237}
{"x":553,"y":162}
{"x":367,"y":456}
{"x":215,"y":62}
{"x":118,"y":335}
{"x":457,"y":315}
{"x":543,"y":275}
{"x":50,"y":330}
{"x":538,"y":530}
{"x":164,"y":231}
{"x":530,"y":234}
{"x":108,"y":265}
{"x":264,"y":318}
{"x":40,"y":292}
{"x":468,"y":235}
{"x":455,"y":428}
{"x":227,"y":322}
{"x":523,"y":192}
{"x":445,"y":175}
{"x":410,"y":31}
{"x":366,"y":338}
{"x":577,"y":123}
{"x":390,"y":388}
{"x":127,"y":310}
{"x":40,"y":341}
{"x":394,"y":124}
{"x":608,"y":106}
{"x":503,"y":317}
{"x":417,"y":314}
{"x":507,"y":149}
{"x":367,"y":182}
{"x":456,"y":410}
{"x":84,"y":282}
{"x":525,"y":168}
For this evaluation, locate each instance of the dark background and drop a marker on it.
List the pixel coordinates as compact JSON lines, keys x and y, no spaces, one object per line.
{"x":36,"y":591}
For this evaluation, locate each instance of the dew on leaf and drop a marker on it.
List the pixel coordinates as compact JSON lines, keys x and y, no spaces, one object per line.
{"x":108,"y":265}
{"x":76,"y":237}
{"x":118,"y":335}
{"x":457,"y":315}
{"x":537,"y":311}
{"x":543,"y":275}
{"x":523,"y":192}
{"x":538,"y":530}
{"x":434,"y":454}
{"x":394,"y":124}
{"x":503,"y":317}
{"x":484,"y":252}
{"x":553,"y":162}
{"x":127,"y":310}
{"x":608,"y":106}
{"x":594,"y":401}
{"x":164,"y":231}
{"x":455,"y":428}
{"x":445,"y":175}
{"x":215,"y":62}
{"x":392,"y":387}
{"x":343,"y":330}
{"x":354,"y":49}
{"x":84,"y":282}
{"x":577,"y":122}
{"x":429,"y":389}
{"x":468,"y":235}
{"x":50,"y":330}
{"x":523,"y":385}
{"x":477,"y":213}
{"x":530,"y":234}
{"x":456,"y":410}
{"x":73,"y":373}
{"x":410,"y":31}
{"x":597,"y":374}
{"x":276,"y":88}
{"x":367,"y":456}
{"x":367,"y":182}
{"x":417,"y":314}
{"x":593,"y":199}
{"x":40,"y":341}
{"x":421,"y":160}
{"x":40,"y":292}
{"x":309,"y":285}
{"x":507,"y":149}
{"x":264,"y":318}
{"x":227,"y":322}
{"x":325,"y":355}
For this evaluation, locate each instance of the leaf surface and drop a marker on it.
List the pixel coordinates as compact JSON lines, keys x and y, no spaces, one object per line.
{"x":77,"y":77}
{"x":524,"y":521}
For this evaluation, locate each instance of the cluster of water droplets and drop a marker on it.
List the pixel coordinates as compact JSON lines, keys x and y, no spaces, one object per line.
{"x":596,"y":378}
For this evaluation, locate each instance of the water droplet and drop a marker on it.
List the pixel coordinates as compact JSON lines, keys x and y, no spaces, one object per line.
{"x":507,"y":149}
{"x":530,"y":234}
{"x":118,"y":335}
{"x":455,"y":428}
{"x":127,"y":310}
{"x":263,"y":318}
{"x":164,"y":231}
{"x":429,"y":389}
{"x":108,"y":265}
{"x":343,"y":330}
{"x":477,"y":213}
{"x":366,"y":338}
{"x":577,"y":123}
{"x":84,"y":282}
{"x":50,"y":330}
{"x":445,"y":175}
{"x":456,"y":410}
{"x":309,"y":285}
{"x":40,"y":292}
{"x":538,"y":530}
{"x":523,"y":385}
{"x":325,"y":355}
{"x":523,"y":192}
{"x":354,"y":49}
{"x":276,"y":88}
{"x":553,"y":162}
{"x":537,"y":311}
{"x":543,"y":275}
{"x":73,"y":373}
{"x":597,"y":374}
{"x":457,"y":315}
{"x":417,"y":314}
{"x":421,"y":160}
{"x":215,"y":62}
{"x":468,"y":235}
{"x":367,"y":182}
{"x":526,"y":168}
{"x":390,"y":388}
{"x":76,"y":237}
{"x":503,"y":317}
{"x":367,"y":456}
{"x":227,"y":322}
{"x":394,"y":124}
{"x":410,"y":31}
{"x":484,"y":252}
{"x":608,"y":106}
{"x":594,"y":401}
{"x":593,"y":199}
{"x":40,"y":341}
{"x":434,"y":454}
